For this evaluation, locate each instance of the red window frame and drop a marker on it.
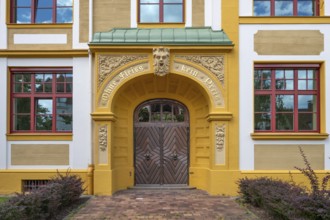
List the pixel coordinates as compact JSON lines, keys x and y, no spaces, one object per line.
{"x":33,"y":8}
{"x":273,"y":92}
{"x":295,"y":7}
{"x":33,"y":95}
{"x":161,"y":10}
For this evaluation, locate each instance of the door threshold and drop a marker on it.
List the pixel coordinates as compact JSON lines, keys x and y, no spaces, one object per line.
{"x":162,"y":187}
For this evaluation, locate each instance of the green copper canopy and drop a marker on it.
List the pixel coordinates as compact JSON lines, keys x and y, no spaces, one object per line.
{"x":161,"y":36}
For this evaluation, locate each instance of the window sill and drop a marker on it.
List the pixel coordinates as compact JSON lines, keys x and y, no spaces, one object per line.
{"x":289,"y":136}
{"x":284,"y":20}
{"x":39,"y":26}
{"x":161,"y":25}
{"x":39,"y":137}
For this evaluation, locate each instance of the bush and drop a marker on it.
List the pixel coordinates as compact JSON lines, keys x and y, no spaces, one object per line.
{"x":44,"y":202}
{"x":285,"y":200}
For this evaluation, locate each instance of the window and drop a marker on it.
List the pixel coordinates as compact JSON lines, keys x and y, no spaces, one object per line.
{"x":41,"y":11}
{"x":286,"y":98}
{"x":161,"y":11}
{"x":286,"y":7}
{"x":41,"y":100}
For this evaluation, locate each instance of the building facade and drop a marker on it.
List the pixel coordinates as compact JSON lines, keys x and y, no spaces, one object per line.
{"x":164,"y":92}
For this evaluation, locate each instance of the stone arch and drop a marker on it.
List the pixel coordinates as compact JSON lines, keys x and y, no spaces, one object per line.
{"x":146,"y":87}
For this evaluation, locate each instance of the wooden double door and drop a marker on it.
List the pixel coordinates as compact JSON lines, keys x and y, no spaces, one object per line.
{"x":161,"y":143}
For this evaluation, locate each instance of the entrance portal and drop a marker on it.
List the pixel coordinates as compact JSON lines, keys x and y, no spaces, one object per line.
{"x":161,"y":133}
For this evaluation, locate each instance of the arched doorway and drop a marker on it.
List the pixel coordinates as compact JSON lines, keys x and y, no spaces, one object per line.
{"x":161,"y":143}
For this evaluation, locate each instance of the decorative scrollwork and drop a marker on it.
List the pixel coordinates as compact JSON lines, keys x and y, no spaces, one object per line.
{"x":108,"y":63}
{"x":220,"y":133}
{"x":213,"y":63}
{"x":103,"y":138}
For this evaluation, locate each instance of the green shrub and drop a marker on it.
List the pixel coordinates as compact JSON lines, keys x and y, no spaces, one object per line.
{"x":44,"y":202}
{"x":287,"y":200}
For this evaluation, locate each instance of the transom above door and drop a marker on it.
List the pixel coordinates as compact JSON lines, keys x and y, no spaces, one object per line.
{"x":161,"y":132}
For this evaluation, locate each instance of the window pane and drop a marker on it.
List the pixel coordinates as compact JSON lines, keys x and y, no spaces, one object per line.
{"x":22,"y":122}
{"x":60,"y":87}
{"x":44,"y":16}
{"x":289,"y":74}
{"x":44,"y":106}
{"x":262,"y":122}
{"x":18,"y":78}
{"x":149,"y":13}
{"x":284,"y":122}
{"x":173,"y":13}
{"x":144,"y":114}
{"x":64,"y":2}
{"x":262,"y":103}
{"x":307,"y":121}
{"x":261,"y":8}
{"x":302,"y":85}
{"x":64,"y":15}
{"x":173,"y":1}
{"x":18,"y":87}
{"x":178,"y":113}
{"x":44,"y":3}
{"x":39,"y":77}
{"x":23,"y":2}
{"x":69,"y":87}
{"x":23,"y":15}
{"x":68,"y":77}
{"x":279,"y":74}
{"x":284,"y":7}
{"x":48,"y":77}
{"x":167,"y":113}
{"x":155,"y":112}
{"x":27,"y":77}
{"x":305,"y":8}
{"x":22,"y":105}
{"x":44,"y":122}
{"x":311,"y":74}
{"x":26,"y":88}
{"x":48,"y":87}
{"x":284,"y":103}
{"x":64,"y":114}
{"x":60,"y":77}
{"x":307,"y":103}
{"x":39,"y":88}
{"x":302,"y":74}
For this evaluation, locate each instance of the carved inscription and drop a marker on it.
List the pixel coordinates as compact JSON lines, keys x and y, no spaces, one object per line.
{"x":103,"y":138}
{"x":213,"y":63}
{"x":220,"y":132}
{"x":203,"y":78}
{"x":117,"y":79}
{"x":108,"y":63}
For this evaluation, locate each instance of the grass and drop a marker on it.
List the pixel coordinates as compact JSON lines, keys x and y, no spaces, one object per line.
{"x":3,"y":199}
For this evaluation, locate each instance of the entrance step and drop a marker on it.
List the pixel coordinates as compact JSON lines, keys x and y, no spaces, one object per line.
{"x":162,"y":187}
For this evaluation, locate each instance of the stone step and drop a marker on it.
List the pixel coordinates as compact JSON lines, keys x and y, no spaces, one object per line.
{"x":162,"y":187}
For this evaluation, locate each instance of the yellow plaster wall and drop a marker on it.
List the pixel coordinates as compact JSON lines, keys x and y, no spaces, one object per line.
{"x":108,"y":14}
{"x":198,"y":13}
{"x":83,"y":21}
{"x":11,"y":180}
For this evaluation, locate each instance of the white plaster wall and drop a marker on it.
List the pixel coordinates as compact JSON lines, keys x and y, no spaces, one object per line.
{"x":75,"y":28}
{"x":326,"y":7}
{"x":39,"y":62}
{"x":82,"y":104}
{"x":247,"y":56}
{"x":3,"y":114}
{"x":212,"y":14}
{"x":3,"y":27}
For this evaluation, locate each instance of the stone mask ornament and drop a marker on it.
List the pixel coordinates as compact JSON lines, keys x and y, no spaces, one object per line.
{"x":161,"y":61}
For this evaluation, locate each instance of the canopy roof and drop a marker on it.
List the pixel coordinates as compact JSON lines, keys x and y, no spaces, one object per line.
{"x":161,"y":36}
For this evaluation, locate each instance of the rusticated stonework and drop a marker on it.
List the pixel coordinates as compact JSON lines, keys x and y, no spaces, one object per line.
{"x":220,"y":133}
{"x":213,"y":63}
{"x":103,"y":138}
{"x":108,"y":63}
{"x":161,"y":61}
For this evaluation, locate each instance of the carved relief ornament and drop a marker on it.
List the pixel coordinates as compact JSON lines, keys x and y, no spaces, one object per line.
{"x":108,"y":63}
{"x":213,"y":63}
{"x":103,"y":138}
{"x":220,"y":133}
{"x":161,"y":61}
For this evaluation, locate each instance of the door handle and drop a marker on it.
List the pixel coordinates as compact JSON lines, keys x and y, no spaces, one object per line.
{"x":174,"y":156}
{"x":147,"y":156}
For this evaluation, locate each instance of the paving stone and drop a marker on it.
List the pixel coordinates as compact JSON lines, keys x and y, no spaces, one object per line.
{"x":161,"y":205}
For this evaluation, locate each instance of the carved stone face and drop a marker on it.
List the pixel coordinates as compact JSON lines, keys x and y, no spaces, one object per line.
{"x":161,"y":61}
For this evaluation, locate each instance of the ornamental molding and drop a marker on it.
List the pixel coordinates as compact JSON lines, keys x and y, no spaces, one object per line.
{"x":109,"y":63}
{"x":161,"y":64}
{"x":103,"y":138}
{"x":220,"y":133}
{"x":213,"y":63}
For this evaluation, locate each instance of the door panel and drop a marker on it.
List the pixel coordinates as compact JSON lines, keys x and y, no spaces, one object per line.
{"x":147,"y":155}
{"x":175,"y":153}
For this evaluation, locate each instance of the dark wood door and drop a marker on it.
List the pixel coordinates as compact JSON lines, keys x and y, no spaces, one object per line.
{"x":161,"y":147}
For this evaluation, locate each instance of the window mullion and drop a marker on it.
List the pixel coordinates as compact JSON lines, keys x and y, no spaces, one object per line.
{"x":272,"y":8}
{"x":33,"y":11}
{"x":295,"y":7}
{"x":32,"y":111}
{"x":295,"y":108}
{"x":54,"y":12}
{"x":161,"y":11}
{"x":273,"y":102}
